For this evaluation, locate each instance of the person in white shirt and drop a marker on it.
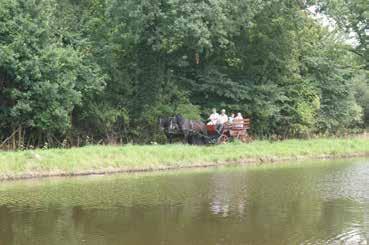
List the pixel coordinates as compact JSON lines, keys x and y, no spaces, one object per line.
{"x":214,"y":117}
{"x":223,"y":118}
{"x":239,"y":116}
{"x":231,"y":118}
{"x":238,"y":122}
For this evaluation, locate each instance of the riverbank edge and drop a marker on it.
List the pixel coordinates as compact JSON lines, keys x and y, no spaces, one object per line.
{"x":132,"y":170}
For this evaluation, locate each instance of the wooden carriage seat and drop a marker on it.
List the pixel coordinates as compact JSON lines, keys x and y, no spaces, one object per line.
{"x":241,"y":124}
{"x":247,"y":123}
{"x":239,"y":128}
{"x":237,"y":124}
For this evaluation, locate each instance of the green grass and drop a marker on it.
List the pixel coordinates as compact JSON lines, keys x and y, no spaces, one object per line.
{"x":94,"y":159}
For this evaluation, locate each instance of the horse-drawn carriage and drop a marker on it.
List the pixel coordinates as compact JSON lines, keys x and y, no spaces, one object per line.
{"x":237,"y":130}
{"x":197,"y":132}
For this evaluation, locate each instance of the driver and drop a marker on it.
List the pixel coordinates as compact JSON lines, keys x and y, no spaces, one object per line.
{"x":214,"y":117}
{"x":223,"y":118}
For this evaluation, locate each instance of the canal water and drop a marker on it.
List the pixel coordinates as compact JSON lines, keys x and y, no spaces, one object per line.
{"x":293,"y":203}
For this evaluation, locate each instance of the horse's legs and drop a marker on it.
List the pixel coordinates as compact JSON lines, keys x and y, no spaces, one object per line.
{"x":169,"y":137}
{"x":190,"y":139}
{"x":200,"y":140}
{"x":186,"y":138}
{"x":197,"y":140}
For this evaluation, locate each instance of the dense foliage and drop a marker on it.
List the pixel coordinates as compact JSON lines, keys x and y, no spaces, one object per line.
{"x":77,"y":71}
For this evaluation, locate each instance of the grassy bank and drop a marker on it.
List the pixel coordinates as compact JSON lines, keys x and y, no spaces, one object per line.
{"x":109,"y":159}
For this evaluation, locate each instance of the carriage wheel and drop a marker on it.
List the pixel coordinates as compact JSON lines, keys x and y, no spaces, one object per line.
{"x":223,"y":139}
{"x":243,"y":138}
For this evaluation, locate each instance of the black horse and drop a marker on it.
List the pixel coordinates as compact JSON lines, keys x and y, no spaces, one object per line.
{"x":170,"y":127}
{"x":194,"y":131}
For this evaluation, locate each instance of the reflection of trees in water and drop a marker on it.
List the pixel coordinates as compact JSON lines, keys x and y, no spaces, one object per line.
{"x":346,"y":182}
{"x":278,"y":206}
{"x":344,"y":191}
{"x":228,"y":194}
{"x":287,"y":203}
{"x":29,"y":227}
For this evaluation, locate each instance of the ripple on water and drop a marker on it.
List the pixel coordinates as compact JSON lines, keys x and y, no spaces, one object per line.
{"x":294,"y":204}
{"x":349,"y":237}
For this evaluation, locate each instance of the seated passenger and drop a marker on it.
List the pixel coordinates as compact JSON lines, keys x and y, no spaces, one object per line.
{"x":231,"y":118}
{"x":238,"y":122}
{"x":214,"y":117}
{"x":239,"y":116}
{"x":223,"y":118}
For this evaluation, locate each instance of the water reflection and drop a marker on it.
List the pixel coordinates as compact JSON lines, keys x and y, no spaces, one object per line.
{"x":312,"y":203}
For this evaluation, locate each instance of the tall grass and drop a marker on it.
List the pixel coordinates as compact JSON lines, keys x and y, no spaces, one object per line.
{"x":95,"y":159}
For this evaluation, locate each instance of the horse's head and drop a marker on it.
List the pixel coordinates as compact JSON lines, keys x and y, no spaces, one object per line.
{"x":163,"y":122}
{"x":173,"y":125}
{"x":168,"y":124}
{"x":179,"y":119}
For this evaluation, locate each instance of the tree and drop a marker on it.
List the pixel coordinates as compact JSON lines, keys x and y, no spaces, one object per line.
{"x":107,"y":70}
{"x":353,"y":17}
{"x":43,"y":79}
